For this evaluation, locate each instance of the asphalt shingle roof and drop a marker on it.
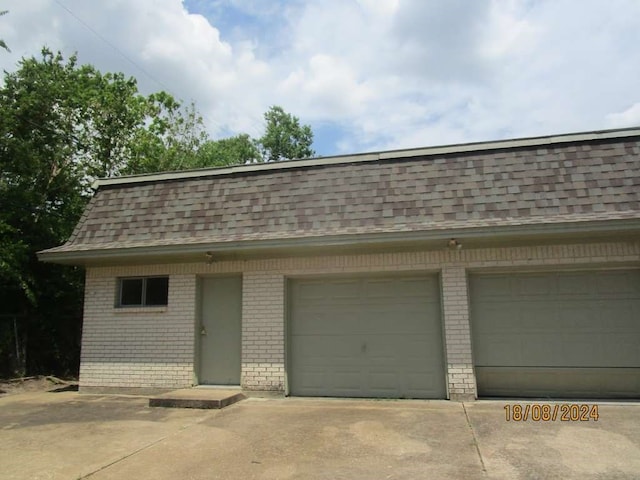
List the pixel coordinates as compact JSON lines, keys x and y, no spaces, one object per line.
{"x":574,"y":182}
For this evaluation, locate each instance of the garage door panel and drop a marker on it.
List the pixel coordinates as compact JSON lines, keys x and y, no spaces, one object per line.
{"x":620,"y":318}
{"x":588,"y":383}
{"x":382,"y":380}
{"x":533,"y":286}
{"x":344,"y":378}
{"x":329,"y":348}
{"x":395,"y":288}
{"x":573,"y":285}
{"x":578,"y":334}
{"x":317,"y":290}
{"x":380,"y":289}
{"x":536,"y":349}
{"x":420,"y":350}
{"x":416,"y":287}
{"x":317,"y":293}
{"x":398,"y":321}
{"x":492,"y":287}
{"x":579,"y":349}
{"x":318,"y":321}
{"x":618,"y":284}
{"x":383,"y":350}
{"x":377,"y":355}
{"x":312,"y":378}
{"x":575,"y":318}
{"x":386,"y":341}
{"x":313,"y":293}
{"x":532,"y":317}
{"x":501,"y":320}
{"x":490,"y":349}
{"x":415,"y":380}
{"x":621,"y":350}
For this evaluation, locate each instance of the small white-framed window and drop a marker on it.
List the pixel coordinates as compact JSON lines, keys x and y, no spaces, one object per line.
{"x":143,"y":292}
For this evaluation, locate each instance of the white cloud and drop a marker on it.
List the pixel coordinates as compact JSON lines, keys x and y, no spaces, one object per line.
{"x":437,"y":40}
{"x":384,"y":74}
{"x":333,"y":86}
{"x":158,"y":42}
{"x":627,"y":118}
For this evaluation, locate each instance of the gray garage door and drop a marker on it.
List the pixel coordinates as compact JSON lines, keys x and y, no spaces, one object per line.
{"x":571,"y":334}
{"x":366,"y":337}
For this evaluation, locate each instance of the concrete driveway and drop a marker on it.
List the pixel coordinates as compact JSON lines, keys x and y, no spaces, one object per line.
{"x":70,"y":436}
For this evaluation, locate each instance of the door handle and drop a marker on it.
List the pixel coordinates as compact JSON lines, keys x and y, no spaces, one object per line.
{"x":203,"y":331}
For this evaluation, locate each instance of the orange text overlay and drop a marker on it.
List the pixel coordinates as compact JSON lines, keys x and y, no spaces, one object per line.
{"x":561,"y":412}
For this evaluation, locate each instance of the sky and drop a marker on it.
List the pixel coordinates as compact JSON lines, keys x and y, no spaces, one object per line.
{"x":367,"y":75}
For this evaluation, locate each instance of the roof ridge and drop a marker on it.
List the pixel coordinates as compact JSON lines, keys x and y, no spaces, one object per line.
{"x":523,"y":142}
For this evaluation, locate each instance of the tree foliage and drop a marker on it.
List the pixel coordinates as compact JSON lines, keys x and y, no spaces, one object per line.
{"x":228,"y":151}
{"x":62,"y":125}
{"x":40,"y":177}
{"x":171,"y":140}
{"x":284,"y":137}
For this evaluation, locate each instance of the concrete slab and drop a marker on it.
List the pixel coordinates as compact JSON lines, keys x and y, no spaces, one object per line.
{"x":315,"y":439}
{"x":202,"y":398}
{"x":69,"y":436}
{"x":608,"y":448}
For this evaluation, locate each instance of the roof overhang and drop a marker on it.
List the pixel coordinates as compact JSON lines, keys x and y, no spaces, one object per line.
{"x":477,"y":237}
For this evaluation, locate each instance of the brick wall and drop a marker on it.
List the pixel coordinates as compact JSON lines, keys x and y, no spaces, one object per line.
{"x":455,"y":306}
{"x":263,"y":331}
{"x":148,"y":347}
{"x":155,"y":347}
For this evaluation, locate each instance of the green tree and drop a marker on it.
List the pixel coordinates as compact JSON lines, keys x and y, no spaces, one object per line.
{"x":44,"y":108}
{"x":171,"y":140}
{"x":236,"y":150}
{"x":61,"y":126}
{"x":284,"y":137}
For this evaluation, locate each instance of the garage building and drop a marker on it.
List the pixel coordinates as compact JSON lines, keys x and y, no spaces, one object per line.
{"x":496,"y":269}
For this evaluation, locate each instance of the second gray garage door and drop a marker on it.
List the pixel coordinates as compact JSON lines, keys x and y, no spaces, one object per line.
{"x":562,"y":334}
{"x":366,"y":337}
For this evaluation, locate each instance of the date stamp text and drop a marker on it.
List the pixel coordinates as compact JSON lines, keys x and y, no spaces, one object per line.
{"x":562,"y":412}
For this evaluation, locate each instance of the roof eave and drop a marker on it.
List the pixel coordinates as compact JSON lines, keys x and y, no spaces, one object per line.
{"x":429,"y":238}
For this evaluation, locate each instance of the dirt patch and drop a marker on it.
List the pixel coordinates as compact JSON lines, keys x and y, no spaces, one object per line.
{"x":39,"y":383}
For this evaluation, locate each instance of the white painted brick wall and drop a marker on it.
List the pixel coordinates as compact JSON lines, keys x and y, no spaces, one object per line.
{"x":155,"y":347}
{"x":137,"y":347}
{"x":455,"y":303}
{"x":263,"y":331}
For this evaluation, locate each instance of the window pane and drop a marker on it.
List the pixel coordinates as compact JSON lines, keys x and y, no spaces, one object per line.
{"x":157,"y":291}
{"x":131,"y":291}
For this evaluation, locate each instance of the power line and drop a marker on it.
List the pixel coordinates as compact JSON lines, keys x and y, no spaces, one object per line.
{"x":129,"y":59}
{"x":122,"y":54}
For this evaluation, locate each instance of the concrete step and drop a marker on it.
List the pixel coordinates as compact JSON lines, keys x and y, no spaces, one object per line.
{"x":204,"y":398}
